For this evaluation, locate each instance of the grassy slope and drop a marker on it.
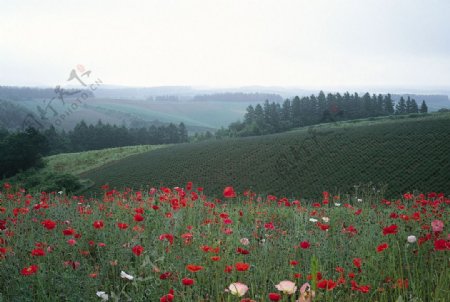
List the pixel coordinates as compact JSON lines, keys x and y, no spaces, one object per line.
{"x":407,"y":154}
{"x":77,"y":163}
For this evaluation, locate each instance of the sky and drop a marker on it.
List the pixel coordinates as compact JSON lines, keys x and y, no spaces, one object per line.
{"x":227,"y":43}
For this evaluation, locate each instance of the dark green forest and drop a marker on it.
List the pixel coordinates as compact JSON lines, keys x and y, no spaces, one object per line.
{"x":274,"y":117}
{"x":20,"y":151}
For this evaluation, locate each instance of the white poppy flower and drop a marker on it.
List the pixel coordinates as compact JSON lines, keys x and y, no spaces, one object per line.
{"x":126,"y":276}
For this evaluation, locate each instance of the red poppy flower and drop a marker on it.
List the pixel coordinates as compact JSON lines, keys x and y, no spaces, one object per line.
{"x":166,"y":298}
{"x":122,"y":226}
{"x":28,"y":271}
{"x":215,"y":258}
{"x":274,"y":297}
{"x":138,"y":217}
{"x":441,"y":245}
{"x":228,"y":192}
{"x":305,"y":245}
{"x":194,"y":268}
{"x":38,"y":252}
{"x":168,"y":237}
{"x":49,"y":224}
{"x":187,"y":281}
{"x":228,"y":269}
{"x":165,"y":275}
{"x":269,"y":226}
{"x":242,"y":267}
{"x":327,"y":284}
{"x":68,"y":232}
{"x":137,"y":250}
{"x":392,"y":229}
{"x":382,"y":247}
{"x":357,"y":262}
{"x":242,"y":251}
{"x":98,"y":224}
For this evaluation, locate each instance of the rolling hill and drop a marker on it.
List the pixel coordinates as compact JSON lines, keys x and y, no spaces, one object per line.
{"x":405,"y":153}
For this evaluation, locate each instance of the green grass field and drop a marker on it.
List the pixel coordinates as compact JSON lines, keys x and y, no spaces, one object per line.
{"x":77,"y":163}
{"x":404,"y":153}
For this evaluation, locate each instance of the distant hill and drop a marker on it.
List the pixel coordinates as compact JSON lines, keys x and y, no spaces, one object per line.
{"x":238,"y":97}
{"x":405,"y":152}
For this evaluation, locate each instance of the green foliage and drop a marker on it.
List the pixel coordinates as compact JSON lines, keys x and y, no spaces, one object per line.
{"x":45,"y":181}
{"x":21,"y":151}
{"x":401,"y":152}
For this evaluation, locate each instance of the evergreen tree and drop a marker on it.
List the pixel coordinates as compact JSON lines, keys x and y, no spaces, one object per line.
{"x":388,"y":104}
{"x":423,"y":107}
{"x":183,"y":133}
{"x":400,"y":108}
{"x":414,"y":106}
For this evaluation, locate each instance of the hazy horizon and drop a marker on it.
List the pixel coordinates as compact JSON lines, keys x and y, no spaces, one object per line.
{"x":223,"y":44}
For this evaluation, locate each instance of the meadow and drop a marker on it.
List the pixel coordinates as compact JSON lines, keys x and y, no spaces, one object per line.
{"x":77,"y":163}
{"x":392,"y":155}
{"x":177,"y":244}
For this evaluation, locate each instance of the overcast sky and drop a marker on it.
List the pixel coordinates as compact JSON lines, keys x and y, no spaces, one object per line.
{"x":227,"y":43}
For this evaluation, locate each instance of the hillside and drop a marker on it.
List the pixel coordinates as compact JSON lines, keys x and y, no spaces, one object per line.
{"x":405,"y":153}
{"x":77,"y":163}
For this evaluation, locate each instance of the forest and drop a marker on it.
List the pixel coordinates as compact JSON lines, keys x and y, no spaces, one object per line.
{"x":305,"y":111}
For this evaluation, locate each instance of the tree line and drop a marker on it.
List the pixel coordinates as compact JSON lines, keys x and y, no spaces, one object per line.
{"x":86,"y":137}
{"x":20,"y":151}
{"x":274,"y":117}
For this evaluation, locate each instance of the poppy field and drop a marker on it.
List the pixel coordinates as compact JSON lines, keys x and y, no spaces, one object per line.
{"x":177,"y":244}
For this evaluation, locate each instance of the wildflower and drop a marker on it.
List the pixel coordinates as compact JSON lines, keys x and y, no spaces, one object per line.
{"x":305,"y":245}
{"x":194,"y":268}
{"x":337,"y":204}
{"x":72,"y":242}
{"x":287,"y":287}
{"x":137,"y":250}
{"x":138,"y":217}
{"x":68,"y":232}
{"x":238,"y":289}
{"x":49,"y":224}
{"x":166,"y":298}
{"x":28,"y":271}
{"x":168,"y":237}
{"x":244,"y":241}
{"x":122,"y":226}
{"x":326,"y":284}
{"x":392,"y":229}
{"x":38,"y":252}
{"x":412,"y":239}
{"x":242,"y":267}
{"x":382,"y":247}
{"x":441,"y":244}
{"x":187,"y":281}
{"x":126,"y":276}
{"x":313,"y":220}
{"x":242,"y":251}
{"x":98,"y":224}
{"x":274,"y":297}
{"x":228,"y":192}
{"x":357,"y":262}
{"x":102,"y":295}
{"x":437,"y":225}
{"x":326,"y":219}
